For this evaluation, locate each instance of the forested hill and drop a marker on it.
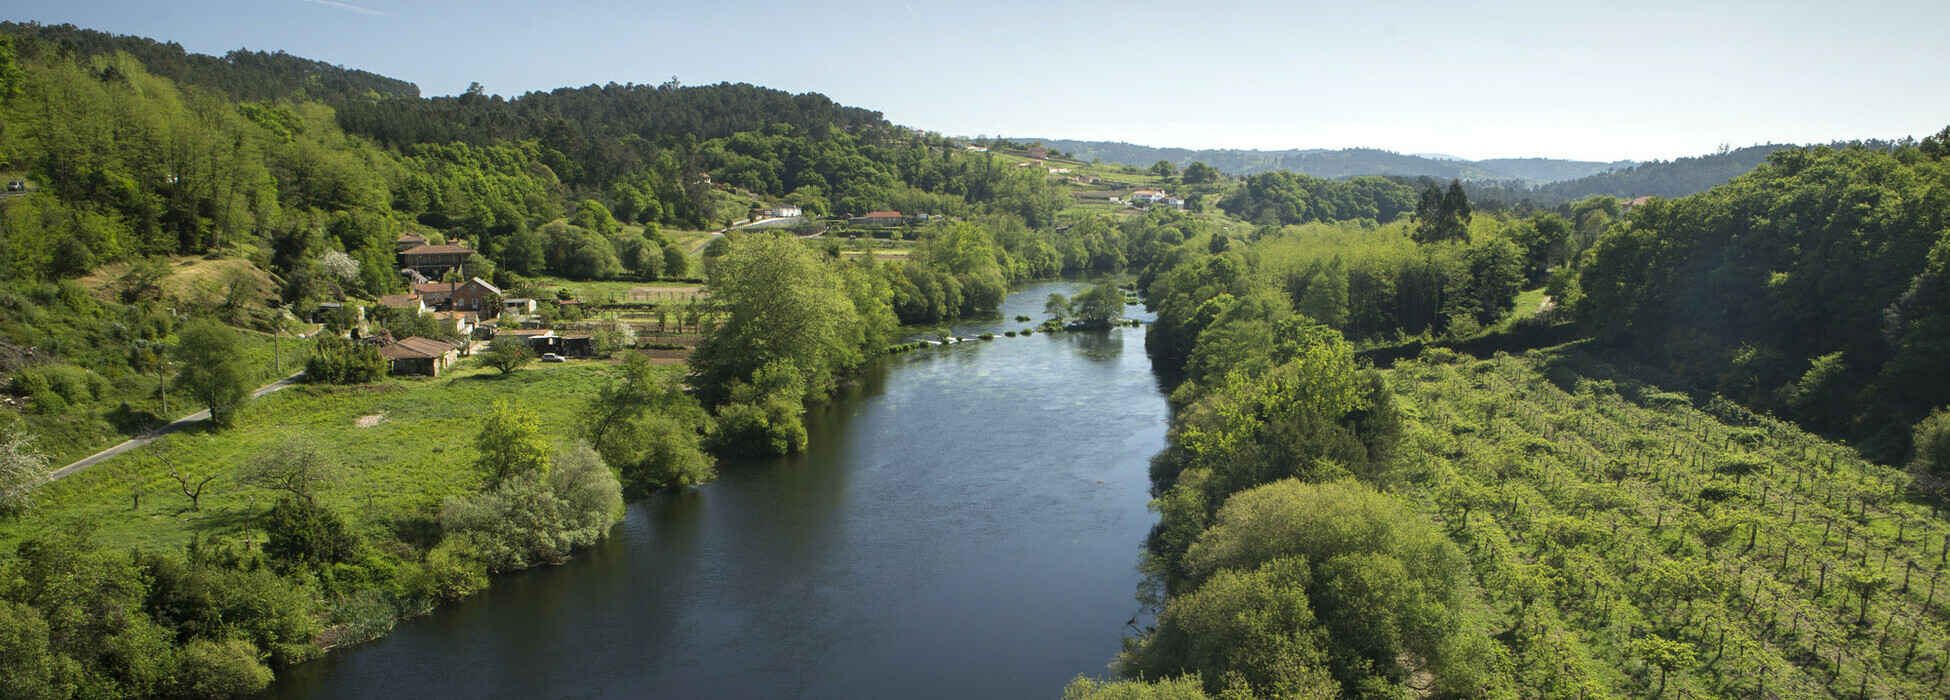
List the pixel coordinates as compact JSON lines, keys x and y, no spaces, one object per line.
{"x":603,"y":128}
{"x":242,"y":74}
{"x":1349,"y":162}
{"x":1674,"y":178}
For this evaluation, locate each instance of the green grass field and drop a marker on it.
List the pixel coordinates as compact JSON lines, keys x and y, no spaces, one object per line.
{"x":412,"y":449}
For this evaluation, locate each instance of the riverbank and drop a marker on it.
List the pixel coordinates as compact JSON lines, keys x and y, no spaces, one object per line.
{"x":964,"y":523}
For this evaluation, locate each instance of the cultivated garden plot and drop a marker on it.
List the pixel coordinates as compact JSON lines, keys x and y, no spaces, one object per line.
{"x":1631,"y":543}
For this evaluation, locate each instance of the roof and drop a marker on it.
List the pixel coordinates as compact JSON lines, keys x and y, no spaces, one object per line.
{"x":440,"y":288}
{"x":484,"y":284}
{"x":410,"y":237}
{"x":400,"y":301}
{"x":468,"y":316}
{"x":883,"y":215}
{"x":1138,"y":193}
{"x":529,"y":332}
{"x":437,"y":250}
{"x":1635,"y":201}
{"x":416,"y":348}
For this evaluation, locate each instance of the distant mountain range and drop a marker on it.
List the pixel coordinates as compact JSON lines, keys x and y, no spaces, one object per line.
{"x":1347,"y":162}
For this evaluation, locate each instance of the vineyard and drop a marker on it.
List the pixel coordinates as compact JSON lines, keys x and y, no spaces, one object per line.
{"x":1629,"y":542}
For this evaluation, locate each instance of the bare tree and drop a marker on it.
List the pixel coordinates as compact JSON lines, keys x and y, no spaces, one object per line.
{"x":159,"y":451}
{"x":295,"y":464}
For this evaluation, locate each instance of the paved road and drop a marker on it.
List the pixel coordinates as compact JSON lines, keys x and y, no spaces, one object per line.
{"x":179,"y":424}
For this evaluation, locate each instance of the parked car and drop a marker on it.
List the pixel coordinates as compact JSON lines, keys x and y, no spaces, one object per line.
{"x":17,"y":186}
{"x":551,"y":357}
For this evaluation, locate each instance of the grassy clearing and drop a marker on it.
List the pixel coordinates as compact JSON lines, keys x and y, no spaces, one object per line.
{"x":416,"y":452}
{"x":1601,"y":514}
{"x":623,"y":291}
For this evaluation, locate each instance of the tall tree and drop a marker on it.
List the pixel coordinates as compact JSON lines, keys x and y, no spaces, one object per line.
{"x":211,"y":369}
{"x":780,"y":303}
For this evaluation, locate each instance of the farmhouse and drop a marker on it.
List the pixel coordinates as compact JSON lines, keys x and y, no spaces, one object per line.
{"x":435,"y":261}
{"x":435,"y":294}
{"x":417,"y":355}
{"x":1148,"y":196}
{"x":405,"y":302}
{"x":475,"y":295}
{"x":879,"y":218}
{"x":408,"y":241}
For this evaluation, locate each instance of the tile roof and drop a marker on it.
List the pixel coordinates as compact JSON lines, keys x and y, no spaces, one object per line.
{"x":416,"y":348}
{"x":437,"y":250}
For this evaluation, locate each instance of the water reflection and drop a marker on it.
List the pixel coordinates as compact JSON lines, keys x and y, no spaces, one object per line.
{"x":966,"y":525}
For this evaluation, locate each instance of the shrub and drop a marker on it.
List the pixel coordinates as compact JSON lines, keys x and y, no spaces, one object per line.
{"x":987,"y":336}
{"x":773,"y":426}
{"x":301,"y":533}
{"x":529,"y":519}
{"x":56,"y":387}
{"x":336,"y":360}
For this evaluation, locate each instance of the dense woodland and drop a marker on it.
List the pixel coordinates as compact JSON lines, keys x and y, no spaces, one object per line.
{"x":1652,"y":505}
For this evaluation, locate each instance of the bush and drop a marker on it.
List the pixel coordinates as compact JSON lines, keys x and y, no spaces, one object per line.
{"x":530,"y":519}
{"x":300,"y":533}
{"x":987,"y":336}
{"x":454,"y":571}
{"x":221,"y":669}
{"x":773,"y":426}
{"x":55,"y":387}
{"x":335,"y":360}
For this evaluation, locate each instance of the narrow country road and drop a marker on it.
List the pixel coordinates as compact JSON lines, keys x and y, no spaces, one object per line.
{"x":179,"y":424}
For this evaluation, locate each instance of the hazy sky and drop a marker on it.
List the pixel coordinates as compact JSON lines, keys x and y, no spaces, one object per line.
{"x":1484,"y":79}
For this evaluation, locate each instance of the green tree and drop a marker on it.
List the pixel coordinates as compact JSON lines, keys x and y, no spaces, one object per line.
{"x":780,"y":303}
{"x":29,"y":668}
{"x":510,"y":444}
{"x":1931,"y":444}
{"x":1257,"y":625}
{"x":1164,"y":168}
{"x":1056,"y":307}
{"x":1663,"y":654}
{"x":210,"y":368}
{"x":1198,"y":172}
{"x":1099,"y":306}
{"x":300,"y":533}
{"x":1442,"y":216}
{"x":676,"y":263}
{"x":222,"y":669}
{"x":507,"y":353}
{"x":1866,"y":584}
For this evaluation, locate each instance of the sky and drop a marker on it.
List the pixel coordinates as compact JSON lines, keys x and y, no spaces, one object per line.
{"x":1488,"y":79}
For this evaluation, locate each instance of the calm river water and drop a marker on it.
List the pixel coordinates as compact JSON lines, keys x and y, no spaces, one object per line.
{"x":967,"y":524}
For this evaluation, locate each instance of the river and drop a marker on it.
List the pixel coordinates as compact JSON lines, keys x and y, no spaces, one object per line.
{"x":966,"y":524}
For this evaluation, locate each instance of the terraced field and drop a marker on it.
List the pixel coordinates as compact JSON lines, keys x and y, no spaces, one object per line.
{"x":1631,"y":543}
